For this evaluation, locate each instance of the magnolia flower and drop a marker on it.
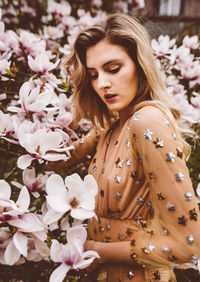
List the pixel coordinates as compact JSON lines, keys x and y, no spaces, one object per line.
{"x":79,"y":197}
{"x":27,"y":226}
{"x":96,"y":4}
{"x":140,"y":4}
{"x":122,"y":6}
{"x":4,"y":64}
{"x":6,"y":124}
{"x":52,"y":32}
{"x":41,"y":144}
{"x":72,"y":254}
{"x":191,"y":42}
{"x":41,"y":63}
{"x":163,"y":46}
{"x":61,"y":9}
{"x":32,"y":100}
{"x":32,"y":182}
{"x":8,"y":208}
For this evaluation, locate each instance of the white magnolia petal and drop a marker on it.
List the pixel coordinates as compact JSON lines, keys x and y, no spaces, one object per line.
{"x":52,"y":216}
{"x":55,"y":251}
{"x":83,"y":263}
{"x":20,"y":242}
{"x":11,"y":254}
{"x":41,"y":246}
{"x":55,"y":186}
{"x":5,"y":190}
{"x":24,"y":161}
{"x":59,"y":273}
{"x":82,"y":214}
{"x":58,"y":204}
{"x":91,"y":184}
{"x":56,"y":157}
{"x":23,"y":200}
{"x":77,"y":234}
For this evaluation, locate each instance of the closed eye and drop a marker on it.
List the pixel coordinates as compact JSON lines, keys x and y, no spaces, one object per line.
{"x":114,"y":70}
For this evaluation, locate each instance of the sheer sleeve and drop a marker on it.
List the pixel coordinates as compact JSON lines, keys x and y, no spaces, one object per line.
{"x":172,"y":237}
{"x":84,"y":148}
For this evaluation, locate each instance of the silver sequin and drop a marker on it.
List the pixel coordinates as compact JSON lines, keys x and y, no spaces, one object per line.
{"x":107,"y":226}
{"x":118,"y":196}
{"x":179,"y":177}
{"x":190,"y":239}
{"x":121,"y":236}
{"x":166,"y":249}
{"x":170,"y":157}
{"x":148,"y":134}
{"x":174,"y":136}
{"x":136,"y":117}
{"x":165,"y":231}
{"x":117,"y":179}
{"x":128,"y":162}
{"x":167,"y":122}
{"x":140,"y":200}
{"x":151,"y":247}
{"x":81,"y":141}
{"x":130,"y":275}
{"x":170,"y":207}
{"x":88,"y":135}
{"x":94,"y":168}
{"x":188,"y":196}
{"x":127,"y":144}
{"x":128,"y":127}
{"x":102,"y":170}
{"x":195,"y":259}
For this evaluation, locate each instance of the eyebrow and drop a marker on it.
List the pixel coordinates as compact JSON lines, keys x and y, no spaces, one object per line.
{"x":107,"y":63}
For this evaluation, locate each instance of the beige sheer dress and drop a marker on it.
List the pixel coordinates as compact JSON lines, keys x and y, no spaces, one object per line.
{"x":145,"y":197}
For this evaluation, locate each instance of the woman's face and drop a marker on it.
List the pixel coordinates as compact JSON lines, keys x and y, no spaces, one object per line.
{"x":113,"y":75}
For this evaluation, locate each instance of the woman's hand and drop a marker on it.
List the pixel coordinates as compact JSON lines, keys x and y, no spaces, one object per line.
{"x":91,"y":245}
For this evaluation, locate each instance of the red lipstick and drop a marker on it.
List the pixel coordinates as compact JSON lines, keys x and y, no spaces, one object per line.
{"x":110,"y":97}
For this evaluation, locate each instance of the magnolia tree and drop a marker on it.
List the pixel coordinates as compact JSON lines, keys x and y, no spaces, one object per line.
{"x":43,"y":215}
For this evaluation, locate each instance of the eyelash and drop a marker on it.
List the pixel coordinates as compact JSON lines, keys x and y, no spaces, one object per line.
{"x":113,"y":71}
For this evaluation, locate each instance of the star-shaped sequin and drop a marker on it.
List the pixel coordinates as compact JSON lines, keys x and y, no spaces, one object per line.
{"x":166,"y":249}
{"x":117,"y":179}
{"x":170,"y":157}
{"x":107,"y":226}
{"x":81,"y":141}
{"x":127,"y":144}
{"x":103,"y":170}
{"x":193,"y":214}
{"x":179,"y":153}
{"x":171,"y":207}
{"x":148,"y":134}
{"x":102,"y":193}
{"x":121,"y":236}
{"x":179,"y":177}
{"x":94,"y":168}
{"x":107,"y":239}
{"x":174,"y":136}
{"x":156,"y":275}
{"x":136,"y":117}
{"x":129,"y":232}
{"x":139,"y":200}
{"x":182,"y":220}
{"x":167,"y":122}
{"x":195,"y":259}
{"x":130,"y":275}
{"x":128,"y":162}
{"x":119,"y":163}
{"x":145,"y":250}
{"x":133,"y":242}
{"x":188,"y":196}
{"x":134,"y":137}
{"x":158,"y":143}
{"x":118,"y":196}
{"x":151,"y":247}
{"x":161,"y":197}
{"x":190,"y":239}
{"x":134,"y":175}
{"x":152,"y":176}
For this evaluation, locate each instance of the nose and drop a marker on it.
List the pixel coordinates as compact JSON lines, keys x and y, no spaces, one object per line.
{"x":103,"y":81}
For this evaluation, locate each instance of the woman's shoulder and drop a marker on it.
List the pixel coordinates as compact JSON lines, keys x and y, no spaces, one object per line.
{"x":149,"y":115}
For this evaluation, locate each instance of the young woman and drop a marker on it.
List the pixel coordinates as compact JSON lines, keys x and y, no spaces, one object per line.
{"x":147,"y":214}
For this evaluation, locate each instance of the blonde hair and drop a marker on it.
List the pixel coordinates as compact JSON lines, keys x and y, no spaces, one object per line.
{"x":126,"y":31}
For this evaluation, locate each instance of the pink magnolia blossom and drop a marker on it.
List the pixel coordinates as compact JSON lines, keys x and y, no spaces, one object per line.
{"x":41,"y":63}
{"x":96,"y":4}
{"x":72,"y":254}
{"x":32,"y":100}
{"x":196,"y":100}
{"x":140,"y":3}
{"x":191,"y":42}
{"x":191,"y":71}
{"x":53,"y":32}
{"x":8,"y":208}
{"x":32,"y":183}
{"x":4,"y":64}
{"x":121,"y":5}
{"x":41,"y":144}
{"x":61,"y":9}
{"x":79,"y":197}
{"x":6,"y":124}
{"x":163,"y":46}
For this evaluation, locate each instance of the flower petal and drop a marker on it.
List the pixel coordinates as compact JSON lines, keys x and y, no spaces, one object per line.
{"x":5,"y":190}
{"x":24,"y":161}
{"x":59,"y":273}
{"x":82,"y":214}
{"x":23,"y":200}
{"x":20,"y":242}
{"x":57,"y":204}
{"x":52,"y":216}
{"x":55,"y":186}
{"x":11,"y":254}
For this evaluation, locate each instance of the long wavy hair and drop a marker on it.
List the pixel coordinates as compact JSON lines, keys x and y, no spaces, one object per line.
{"x":126,"y":31}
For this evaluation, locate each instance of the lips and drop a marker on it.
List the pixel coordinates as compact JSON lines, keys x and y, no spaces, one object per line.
{"x":110,"y":97}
